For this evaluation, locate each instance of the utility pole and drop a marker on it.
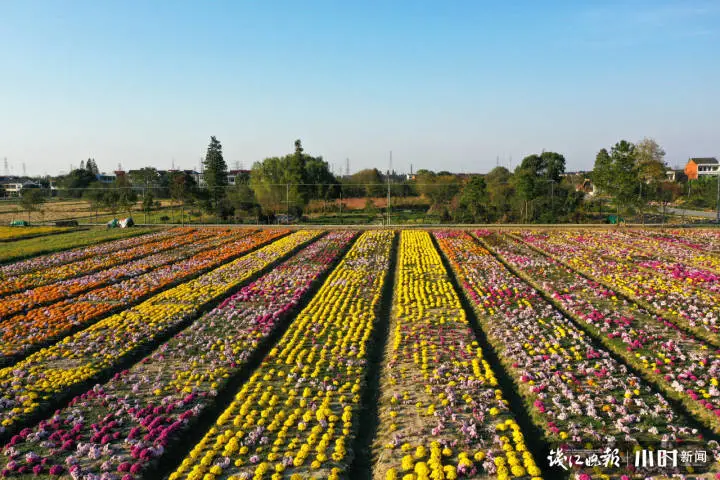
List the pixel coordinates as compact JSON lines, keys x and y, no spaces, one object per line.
{"x":718,"y":196}
{"x":287,"y":199}
{"x":388,"y":190}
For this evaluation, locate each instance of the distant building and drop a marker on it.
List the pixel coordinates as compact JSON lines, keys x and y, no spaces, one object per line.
{"x":586,"y":187}
{"x":699,"y":167}
{"x":105,"y":178}
{"x":14,"y":189}
{"x":197,"y":176}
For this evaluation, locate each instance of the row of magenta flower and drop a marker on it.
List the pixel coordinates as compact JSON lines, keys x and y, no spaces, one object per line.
{"x":298,"y":412}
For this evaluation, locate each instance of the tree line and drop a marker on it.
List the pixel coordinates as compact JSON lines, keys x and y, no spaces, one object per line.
{"x":627,"y":177}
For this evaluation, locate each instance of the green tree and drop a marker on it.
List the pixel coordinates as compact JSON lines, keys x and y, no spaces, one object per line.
{"x":602,"y":174}
{"x":650,"y":160}
{"x":76,"y":182}
{"x":120,"y":197}
{"x":31,"y":199}
{"x":440,"y":189}
{"x":95,"y":194}
{"x":501,"y":193}
{"x":474,"y":198}
{"x":702,"y":193}
{"x":616,"y":173}
{"x":146,"y":177}
{"x":322,"y":184}
{"x":287,"y":183}
{"x":535,"y":180}
{"x":215,"y":175}
{"x":91,"y":166}
{"x":274,"y":182}
{"x":242,"y":199}
{"x":148,"y":202}
{"x":181,"y":186}
{"x":650,"y":164}
{"x":365,"y":183}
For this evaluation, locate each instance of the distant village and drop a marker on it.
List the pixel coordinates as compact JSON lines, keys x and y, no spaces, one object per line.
{"x":12,"y":185}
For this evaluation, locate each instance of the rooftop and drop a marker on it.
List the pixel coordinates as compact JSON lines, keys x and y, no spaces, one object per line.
{"x":705,"y":160}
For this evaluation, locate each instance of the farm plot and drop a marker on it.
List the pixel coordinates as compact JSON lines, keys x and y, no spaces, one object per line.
{"x":576,"y":392}
{"x":442,"y":413}
{"x":223,"y":353}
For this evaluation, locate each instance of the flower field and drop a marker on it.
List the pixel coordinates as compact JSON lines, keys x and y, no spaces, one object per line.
{"x":10,"y":233}
{"x":229,"y":353}
{"x":443,"y":415}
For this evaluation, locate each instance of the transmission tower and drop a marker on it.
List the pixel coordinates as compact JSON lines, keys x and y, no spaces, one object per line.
{"x":7,"y":167}
{"x":347,"y":167}
{"x":24,"y":169}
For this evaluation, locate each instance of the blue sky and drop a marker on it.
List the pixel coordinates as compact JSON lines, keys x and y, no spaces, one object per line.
{"x":444,"y":85}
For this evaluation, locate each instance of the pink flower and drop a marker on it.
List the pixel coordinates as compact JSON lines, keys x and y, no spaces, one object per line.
{"x":56,"y":470}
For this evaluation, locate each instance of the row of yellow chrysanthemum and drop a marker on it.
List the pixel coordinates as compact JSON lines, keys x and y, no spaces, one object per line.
{"x":440,"y":403}
{"x":295,"y":416}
